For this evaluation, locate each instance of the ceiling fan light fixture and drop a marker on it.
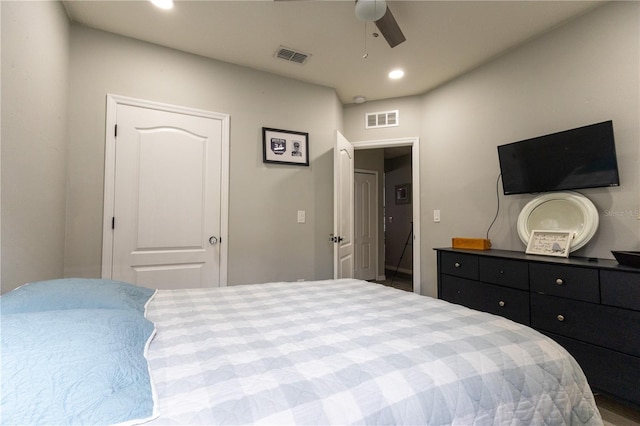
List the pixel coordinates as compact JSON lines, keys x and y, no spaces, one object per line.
{"x":370,"y":10}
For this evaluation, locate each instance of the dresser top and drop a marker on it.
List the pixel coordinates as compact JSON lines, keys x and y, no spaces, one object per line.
{"x":588,"y":262}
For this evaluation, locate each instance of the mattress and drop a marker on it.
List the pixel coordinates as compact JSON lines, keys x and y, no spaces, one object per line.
{"x":352,"y":352}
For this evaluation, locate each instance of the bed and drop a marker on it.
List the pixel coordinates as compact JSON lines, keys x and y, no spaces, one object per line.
{"x":322,"y":352}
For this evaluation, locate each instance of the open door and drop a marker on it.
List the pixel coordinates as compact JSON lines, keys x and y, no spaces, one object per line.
{"x":343,"y":167}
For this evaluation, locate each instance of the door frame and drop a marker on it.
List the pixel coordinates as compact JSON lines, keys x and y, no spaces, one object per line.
{"x":375,"y":203}
{"x":414,"y":143}
{"x":110,"y":169}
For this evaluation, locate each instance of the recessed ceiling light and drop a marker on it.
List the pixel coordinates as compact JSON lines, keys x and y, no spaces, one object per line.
{"x":396,"y":74}
{"x":163,"y":4}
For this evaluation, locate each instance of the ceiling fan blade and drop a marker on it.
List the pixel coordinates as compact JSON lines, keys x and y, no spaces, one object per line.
{"x":390,"y":29}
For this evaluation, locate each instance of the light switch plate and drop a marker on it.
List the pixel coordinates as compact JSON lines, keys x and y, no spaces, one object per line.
{"x":302,"y":216}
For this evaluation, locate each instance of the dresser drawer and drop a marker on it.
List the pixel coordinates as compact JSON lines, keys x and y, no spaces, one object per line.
{"x":565,"y":281}
{"x":506,"y":302}
{"x":620,"y":289}
{"x":509,"y":273}
{"x":459,"y":264}
{"x":606,"y":370}
{"x":614,"y":328}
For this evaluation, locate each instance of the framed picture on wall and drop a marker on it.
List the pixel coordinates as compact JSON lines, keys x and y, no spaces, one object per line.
{"x":285,"y":147}
{"x":403,"y":193}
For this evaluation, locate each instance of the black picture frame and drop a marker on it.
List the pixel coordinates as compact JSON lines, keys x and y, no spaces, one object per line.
{"x":403,"y":193}
{"x":285,"y":147}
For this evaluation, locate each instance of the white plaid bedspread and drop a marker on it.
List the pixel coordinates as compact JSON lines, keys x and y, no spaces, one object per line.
{"x":351,"y":352}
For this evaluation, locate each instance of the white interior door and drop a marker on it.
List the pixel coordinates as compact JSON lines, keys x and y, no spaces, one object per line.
{"x":366,"y":225}
{"x":343,"y":188}
{"x":167,"y":198}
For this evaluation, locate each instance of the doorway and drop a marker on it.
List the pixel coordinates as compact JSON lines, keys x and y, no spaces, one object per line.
{"x":407,"y":263}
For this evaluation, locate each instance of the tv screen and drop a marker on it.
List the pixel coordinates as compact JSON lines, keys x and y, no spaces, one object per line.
{"x":579,"y":158}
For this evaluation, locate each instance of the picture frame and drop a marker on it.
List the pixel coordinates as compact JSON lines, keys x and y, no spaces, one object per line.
{"x":550,"y":243}
{"x":285,"y":147}
{"x":403,"y":193}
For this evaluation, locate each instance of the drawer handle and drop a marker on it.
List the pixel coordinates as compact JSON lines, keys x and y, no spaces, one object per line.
{"x":501,"y":272}
{"x":501,"y":303}
{"x":457,"y":264}
{"x":559,"y":281}
{"x":560,"y":317}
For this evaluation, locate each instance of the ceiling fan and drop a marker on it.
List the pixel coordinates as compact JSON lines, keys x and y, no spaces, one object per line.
{"x":378,"y":12}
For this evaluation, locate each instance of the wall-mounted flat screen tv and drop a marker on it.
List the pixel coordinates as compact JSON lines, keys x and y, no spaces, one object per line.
{"x":573,"y":159}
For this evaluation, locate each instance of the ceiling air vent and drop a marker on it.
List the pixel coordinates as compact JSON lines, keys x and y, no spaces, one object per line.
{"x":376,"y":120}
{"x":292,"y":55}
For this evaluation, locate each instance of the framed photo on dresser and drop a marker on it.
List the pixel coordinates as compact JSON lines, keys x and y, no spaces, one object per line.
{"x":550,"y":243}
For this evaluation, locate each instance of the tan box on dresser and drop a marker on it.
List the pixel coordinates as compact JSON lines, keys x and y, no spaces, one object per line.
{"x":471,"y":243}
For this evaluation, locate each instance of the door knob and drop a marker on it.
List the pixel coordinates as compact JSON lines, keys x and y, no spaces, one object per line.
{"x":213,"y":240}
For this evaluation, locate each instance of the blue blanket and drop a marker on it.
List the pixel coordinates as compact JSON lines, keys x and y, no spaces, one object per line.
{"x":63,"y":363}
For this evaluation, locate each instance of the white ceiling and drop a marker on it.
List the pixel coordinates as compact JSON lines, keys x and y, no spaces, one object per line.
{"x":444,"y":38}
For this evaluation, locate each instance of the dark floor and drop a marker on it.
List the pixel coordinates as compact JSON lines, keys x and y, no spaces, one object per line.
{"x":397,"y":280}
{"x":616,"y":414}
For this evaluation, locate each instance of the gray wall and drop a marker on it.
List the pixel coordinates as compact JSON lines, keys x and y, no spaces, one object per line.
{"x":55,"y":78}
{"x":410,"y":119}
{"x":34,"y":143}
{"x":265,"y":241}
{"x":581,"y":73}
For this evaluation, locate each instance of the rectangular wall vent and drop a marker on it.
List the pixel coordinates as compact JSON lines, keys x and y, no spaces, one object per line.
{"x":376,"y":120}
{"x":292,"y":55}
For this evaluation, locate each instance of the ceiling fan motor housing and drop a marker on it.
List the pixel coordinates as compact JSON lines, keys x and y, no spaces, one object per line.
{"x":377,"y":11}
